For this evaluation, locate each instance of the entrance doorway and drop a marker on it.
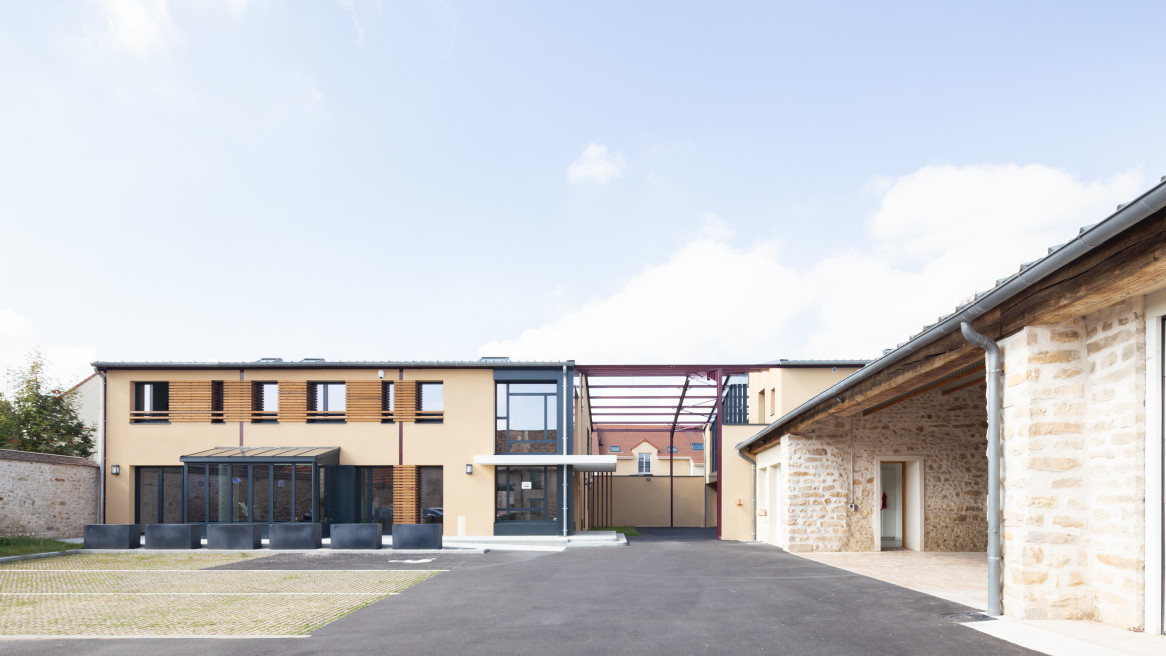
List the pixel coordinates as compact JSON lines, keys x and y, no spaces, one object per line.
{"x":897,"y":522}
{"x":893,"y":476}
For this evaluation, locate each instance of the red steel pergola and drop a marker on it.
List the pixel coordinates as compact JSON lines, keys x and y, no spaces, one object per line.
{"x":685,"y":398}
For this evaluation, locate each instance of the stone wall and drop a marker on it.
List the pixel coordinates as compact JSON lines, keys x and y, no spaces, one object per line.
{"x":1073,"y":471}
{"x":946,"y":431}
{"x":46,"y":495}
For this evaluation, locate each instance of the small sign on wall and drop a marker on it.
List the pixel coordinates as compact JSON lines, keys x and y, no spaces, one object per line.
{"x":526,"y":485}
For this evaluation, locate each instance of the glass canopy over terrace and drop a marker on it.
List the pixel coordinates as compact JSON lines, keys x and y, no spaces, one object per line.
{"x":255,"y":484}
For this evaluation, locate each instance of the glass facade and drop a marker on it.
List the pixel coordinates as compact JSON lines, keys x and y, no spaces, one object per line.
{"x":250,"y":493}
{"x":526,"y":494}
{"x":527,"y":418}
{"x":158,"y":495}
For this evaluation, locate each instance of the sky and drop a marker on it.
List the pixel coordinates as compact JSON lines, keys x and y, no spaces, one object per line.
{"x":609,"y":182}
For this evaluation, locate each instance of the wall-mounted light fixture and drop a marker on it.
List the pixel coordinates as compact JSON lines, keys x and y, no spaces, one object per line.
{"x":115,"y":469}
{"x":469,"y":469}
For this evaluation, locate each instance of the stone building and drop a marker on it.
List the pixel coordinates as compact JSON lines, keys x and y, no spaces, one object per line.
{"x":895,"y":455}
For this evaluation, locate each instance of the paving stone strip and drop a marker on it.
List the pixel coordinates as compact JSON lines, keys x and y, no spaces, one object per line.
{"x":171,"y":595}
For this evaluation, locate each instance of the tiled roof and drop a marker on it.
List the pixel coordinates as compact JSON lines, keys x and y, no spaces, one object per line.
{"x":628,"y":437}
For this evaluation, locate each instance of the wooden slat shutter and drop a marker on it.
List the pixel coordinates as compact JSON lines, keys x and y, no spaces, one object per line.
{"x":190,"y":400}
{"x":406,"y":494}
{"x":405,"y":404}
{"x":293,"y":400}
{"x":237,"y":400}
{"x":363,"y":400}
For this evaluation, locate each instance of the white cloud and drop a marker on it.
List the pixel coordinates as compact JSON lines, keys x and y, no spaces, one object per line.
{"x":68,"y":364}
{"x":595,"y":165}
{"x":661,"y":315}
{"x":939,"y":234}
{"x":137,"y":26}
{"x":350,"y":9}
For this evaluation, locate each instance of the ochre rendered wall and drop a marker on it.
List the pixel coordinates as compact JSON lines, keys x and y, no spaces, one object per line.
{"x":466,"y":430}
{"x":644,"y":501}
{"x":734,"y":476}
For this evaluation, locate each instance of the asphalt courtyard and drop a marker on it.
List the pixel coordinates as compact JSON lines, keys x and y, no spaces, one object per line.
{"x":668,"y":592}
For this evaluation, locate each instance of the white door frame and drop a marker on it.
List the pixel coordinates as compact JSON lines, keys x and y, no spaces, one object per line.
{"x":913,"y":501}
{"x":1155,"y":585}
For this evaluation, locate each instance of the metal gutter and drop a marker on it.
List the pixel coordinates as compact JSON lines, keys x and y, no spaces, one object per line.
{"x":315,"y":364}
{"x":1086,"y":240}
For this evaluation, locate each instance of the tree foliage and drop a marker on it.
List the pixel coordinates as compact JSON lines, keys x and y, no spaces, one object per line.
{"x":37,"y":416}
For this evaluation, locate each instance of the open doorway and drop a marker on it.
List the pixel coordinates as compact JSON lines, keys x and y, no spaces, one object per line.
{"x":893,"y":477}
{"x":898,"y":517}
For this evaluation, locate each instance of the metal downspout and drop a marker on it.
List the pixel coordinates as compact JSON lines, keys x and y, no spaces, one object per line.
{"x":565,"y":454}
{"x":752,"y":496}
{"x":994,"y":410}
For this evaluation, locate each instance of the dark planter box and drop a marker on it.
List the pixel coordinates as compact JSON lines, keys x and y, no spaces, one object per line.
{"x":295,"y":536}
{"x":417,"y":536}
{"x":173,"y":536}
{"x":234,"y":536}
{"x":113,"y":536}
{"x":356,"y":536}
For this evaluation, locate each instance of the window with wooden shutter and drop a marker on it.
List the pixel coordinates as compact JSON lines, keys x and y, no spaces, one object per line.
{"x":406,"y":494}
{"x":190,"y":400}
{"x":364,"y":400}
{"x":293,"y":400}
{"x":405,"y":400}
{"x":264,"y":402}
{"x":430,"y":402}
{"x":236,"y":400}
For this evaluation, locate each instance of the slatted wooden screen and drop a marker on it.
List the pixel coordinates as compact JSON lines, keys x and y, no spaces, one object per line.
{"x":406,"y":494}
{"x":190,"y":400}
{"x":405,"y":404}
{"x":293,"y":400}
{"x":237,"y":400}
{"x":363,"y":400}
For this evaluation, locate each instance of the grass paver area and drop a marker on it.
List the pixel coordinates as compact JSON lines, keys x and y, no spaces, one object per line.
{"x":174,"y":594}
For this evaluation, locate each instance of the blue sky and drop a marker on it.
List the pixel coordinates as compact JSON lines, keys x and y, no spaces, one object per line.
{"x":609,"y":182}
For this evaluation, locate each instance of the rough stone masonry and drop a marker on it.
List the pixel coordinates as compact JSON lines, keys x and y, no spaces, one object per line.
{"x":46,"y":495}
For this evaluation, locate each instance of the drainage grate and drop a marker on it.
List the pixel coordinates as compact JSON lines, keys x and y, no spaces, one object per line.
{"x":964,"y":618}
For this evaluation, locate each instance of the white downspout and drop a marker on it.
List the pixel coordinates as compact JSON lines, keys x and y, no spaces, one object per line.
{"x":565,"y":454}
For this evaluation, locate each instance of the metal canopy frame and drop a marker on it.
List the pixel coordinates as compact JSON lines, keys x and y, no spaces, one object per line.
{"x":681,"y":393}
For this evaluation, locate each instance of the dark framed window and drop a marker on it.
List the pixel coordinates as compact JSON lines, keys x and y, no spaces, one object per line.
{"x":432,"y":495}
{"x":158,"y":495}
{"x":673,"y":449}
{"x":527,"y":418}
{"x":326,"y":402}
{"x":388,"y":401}
{"x":217,"y":413}
{"x":529,"y":494}
{"x":264,"y":403}
{"x":697,"y":446}
{"x":151,"y":403}
{"x":430,"y":402}
{"x":226,"y":492}
{"x":376,"y":497}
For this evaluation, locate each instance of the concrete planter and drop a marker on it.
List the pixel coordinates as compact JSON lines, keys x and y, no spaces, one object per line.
{"x":417,"y":536}
{"x":173,"y":536}
{"x":356,"y":536}
{"x":234,"y":536}
{"x":295,"y":536}
{"x":113,"y":536}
